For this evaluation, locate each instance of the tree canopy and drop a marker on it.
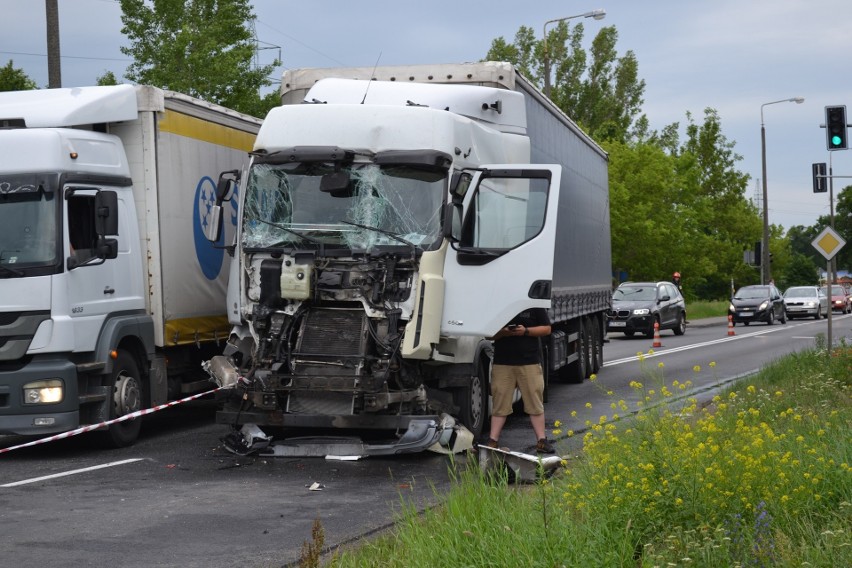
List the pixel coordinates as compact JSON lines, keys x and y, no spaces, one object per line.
{"x":674,"y":206}
{"x":12,"y":79}
{"x":204,"y":48}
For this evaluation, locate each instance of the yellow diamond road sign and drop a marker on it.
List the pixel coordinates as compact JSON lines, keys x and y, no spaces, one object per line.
{"x":828,"y":243}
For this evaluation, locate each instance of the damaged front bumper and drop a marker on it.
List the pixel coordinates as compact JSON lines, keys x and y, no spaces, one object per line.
{"x":442,"y":436}
{"x":439,"y":433}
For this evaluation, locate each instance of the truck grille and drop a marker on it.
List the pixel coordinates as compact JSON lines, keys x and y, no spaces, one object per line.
{"x":16,"y":331}
{"x":332,"y":342}
{"x":320,"y":402}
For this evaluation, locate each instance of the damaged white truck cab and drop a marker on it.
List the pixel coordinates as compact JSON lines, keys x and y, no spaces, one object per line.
{"x":386,"y":230}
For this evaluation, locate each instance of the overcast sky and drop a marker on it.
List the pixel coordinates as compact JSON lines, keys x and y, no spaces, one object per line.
{"x":731,"y":55}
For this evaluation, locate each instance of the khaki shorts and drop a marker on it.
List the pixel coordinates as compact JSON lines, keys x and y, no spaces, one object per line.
{"x":529,"y":379}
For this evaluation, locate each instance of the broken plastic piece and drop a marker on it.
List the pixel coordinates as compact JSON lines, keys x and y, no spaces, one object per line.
{"x":526,"y":467}
{"x":247,"y":440}
{"x":221,"y":371}
{"x":454,"y":439}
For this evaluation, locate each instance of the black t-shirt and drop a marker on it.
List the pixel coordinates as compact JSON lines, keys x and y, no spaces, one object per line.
{"x":519,"y":349}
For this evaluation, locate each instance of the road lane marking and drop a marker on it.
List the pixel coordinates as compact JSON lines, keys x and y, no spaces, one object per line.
{"x":72,"y":472}
{"x":656,"y":353}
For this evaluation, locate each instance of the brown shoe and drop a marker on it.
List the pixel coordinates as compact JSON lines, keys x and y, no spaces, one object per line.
{"x":490,"y":443}
{"x":544,"y":447}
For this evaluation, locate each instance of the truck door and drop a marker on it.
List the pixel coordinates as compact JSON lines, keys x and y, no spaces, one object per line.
{"x":500,"y":261}
{"x":98,"y":288}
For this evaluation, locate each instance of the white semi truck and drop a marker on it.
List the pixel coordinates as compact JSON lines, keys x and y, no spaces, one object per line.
{"x":391,"y":221}
{"x":110,"y":294}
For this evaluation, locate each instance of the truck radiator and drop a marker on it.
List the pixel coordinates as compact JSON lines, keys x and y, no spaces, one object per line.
{"x":331,"y":348}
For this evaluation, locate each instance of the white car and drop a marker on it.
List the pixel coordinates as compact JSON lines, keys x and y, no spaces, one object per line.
{"x":805,"y":301}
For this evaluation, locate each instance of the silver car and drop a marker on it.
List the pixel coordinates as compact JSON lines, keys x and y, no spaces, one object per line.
{"x":805,"y":302}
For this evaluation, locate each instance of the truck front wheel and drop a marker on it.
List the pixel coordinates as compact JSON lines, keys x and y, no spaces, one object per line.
{"x":126,"y":397}
{"x":472,"y":401}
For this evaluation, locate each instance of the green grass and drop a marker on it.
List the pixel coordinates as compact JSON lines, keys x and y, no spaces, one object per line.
{"x":761,"y":476}
{"x":705,"y":309}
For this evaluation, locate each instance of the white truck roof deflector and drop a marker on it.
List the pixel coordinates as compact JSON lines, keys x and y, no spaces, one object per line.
{"x":74,"y":106}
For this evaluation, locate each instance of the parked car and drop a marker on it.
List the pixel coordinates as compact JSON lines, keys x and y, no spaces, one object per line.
{"x":757,"y":303}
{"x":840,"y":298}
{"x":636,"y":306}
{"x":805,"y":301}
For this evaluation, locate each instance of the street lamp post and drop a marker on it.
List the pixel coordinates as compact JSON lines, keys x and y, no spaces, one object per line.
{"x":765,"y":270}
{"x":598,"y":14}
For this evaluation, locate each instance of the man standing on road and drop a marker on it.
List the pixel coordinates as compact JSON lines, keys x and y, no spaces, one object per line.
{"x":517,"y":364}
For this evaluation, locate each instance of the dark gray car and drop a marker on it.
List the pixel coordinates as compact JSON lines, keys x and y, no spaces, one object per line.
{"x":636,"y":306}
{"x":757,"y":303}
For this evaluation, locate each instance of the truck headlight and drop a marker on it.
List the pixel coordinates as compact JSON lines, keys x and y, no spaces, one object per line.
{"x":641,"y":312}
{"x":48,"y":391}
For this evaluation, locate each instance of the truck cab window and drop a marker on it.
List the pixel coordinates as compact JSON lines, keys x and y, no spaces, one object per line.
{"x":81,"y":226}
{"x":28,"y":228}
{"x":506,"y":213}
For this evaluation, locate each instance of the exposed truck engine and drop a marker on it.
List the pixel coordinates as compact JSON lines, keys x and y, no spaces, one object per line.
{"x":388,"y":227}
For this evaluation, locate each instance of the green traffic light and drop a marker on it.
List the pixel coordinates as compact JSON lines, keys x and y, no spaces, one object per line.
{"x":836,"y":140}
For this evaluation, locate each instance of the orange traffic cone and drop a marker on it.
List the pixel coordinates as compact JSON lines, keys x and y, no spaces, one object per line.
{"x":731,"y":325}
{"x":657,"y":342}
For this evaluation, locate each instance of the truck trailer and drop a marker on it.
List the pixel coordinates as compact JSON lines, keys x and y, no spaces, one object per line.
{"x":392,"y":220}
{"x":110,"y":294}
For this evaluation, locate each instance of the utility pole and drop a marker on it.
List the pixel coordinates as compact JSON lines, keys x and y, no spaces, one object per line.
{"x":54,"y":68}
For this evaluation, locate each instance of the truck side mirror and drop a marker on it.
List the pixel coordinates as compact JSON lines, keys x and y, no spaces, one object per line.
{"x":107,"y":248}
{"x":451,"y":222}
{"x":227,"y":181}
{"x":106,"y":213}
{"x":213,"y":230}
{"x":459,"y":184}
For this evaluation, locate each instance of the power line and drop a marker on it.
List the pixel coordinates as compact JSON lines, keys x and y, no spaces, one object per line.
{"x":65,"y":56}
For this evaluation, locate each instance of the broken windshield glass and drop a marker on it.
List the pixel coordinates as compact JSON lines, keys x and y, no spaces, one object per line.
{"x":384,"y":205}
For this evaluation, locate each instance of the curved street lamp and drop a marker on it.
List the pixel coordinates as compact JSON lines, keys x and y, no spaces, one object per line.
{"x":598,"y":14}
{"x":765,"y":271}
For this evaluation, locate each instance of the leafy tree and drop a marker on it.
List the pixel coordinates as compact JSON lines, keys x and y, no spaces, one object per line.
{"x":800,"y":238}
{"x":12,"y":79}
{"x":843,"y":226}
{"x":204,"y":48}
{"x":108,"y":78}
{"x":800,"y":272}
{"x":600,"y":91}
{"x":722,"y":222}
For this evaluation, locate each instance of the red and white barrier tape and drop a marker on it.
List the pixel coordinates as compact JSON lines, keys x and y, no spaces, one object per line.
{"x":90,"y":427}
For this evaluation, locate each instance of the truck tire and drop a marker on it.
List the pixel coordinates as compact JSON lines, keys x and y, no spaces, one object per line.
{"x":545,"y":369}
{"x":576,"y":372}
{"x":596,"y":345}
{"x":126,"y":388}
{"x":472,"y":401}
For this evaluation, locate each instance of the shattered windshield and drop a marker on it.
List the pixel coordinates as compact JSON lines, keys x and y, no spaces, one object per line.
{"x":291,"y":205}
{"x":27,"y":229}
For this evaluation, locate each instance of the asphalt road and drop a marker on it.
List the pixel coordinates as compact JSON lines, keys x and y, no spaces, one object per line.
{"x":176,"y":498}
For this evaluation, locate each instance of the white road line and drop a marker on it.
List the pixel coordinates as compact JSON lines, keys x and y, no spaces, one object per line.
{"x":72,"y":472}
{"x":664,"y":351}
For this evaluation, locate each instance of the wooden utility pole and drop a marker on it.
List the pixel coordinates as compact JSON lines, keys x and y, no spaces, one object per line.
{"x":54,"y":67}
